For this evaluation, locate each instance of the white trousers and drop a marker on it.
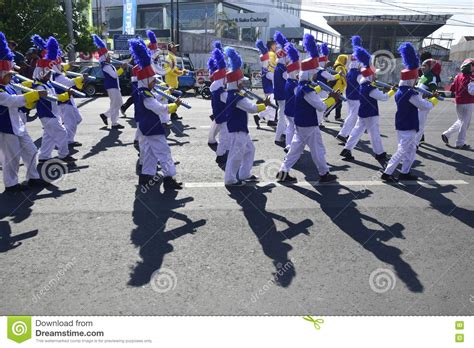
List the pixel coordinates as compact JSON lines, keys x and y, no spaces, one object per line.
{"x":290,"y":130}
{"x":115,"y":103}
{"x":371,"y":124}
{"x":156,"y":149}
{"x":281,"y":125}
{"x":269,"y":113}
{"x":71,"y":118}
{"x":310,"y":136}
{"x":54,"y":135}
{"x":462,"y":124}
{"x":12,"y":148}
{"x":213,"y":132}
{"x":240,"y":159}
{"x":422,"y":117}
{"x":224,"y":139}
{"x":406,"y":152}
{"x":351,"y":118}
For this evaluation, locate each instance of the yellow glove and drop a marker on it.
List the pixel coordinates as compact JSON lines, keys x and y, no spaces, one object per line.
{"x":79,"y":82}
{"x":66,"y":66}
{"x":434,"y":101}
{"x":261,"y":107}
{"x":119,"y":71}
{"x":27,"y":83}
{"x":172,"y":108}
{"x":31,"y":98}
{"x":391,"y":93}
{"x":63,"y":97}
{"x":329,"y":102}
{"x":317,"y":89}
{"x":337,"y":77}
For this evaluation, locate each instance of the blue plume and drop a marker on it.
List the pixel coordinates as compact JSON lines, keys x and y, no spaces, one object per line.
{"x":292,"y":52}
{"x":261,"y":46}
{"x":38,"y":42}
{"x":280,"y":39}
{"x":410,"y":57}
{"x":151,"y":36}
{"x":324,"y":49}
{"x":310,"y":46}
{"x":211,"y":65}
{"x":235,"y":62}
{"x":140,"y":53}
{"x":53,"y":49}
{"x":219,"y":58}
{"x":362,"y":56}
{"x":98,"y":41}
{"x":356,"y":41}
{"x":5,"y":52}
{"x":217,"y":44}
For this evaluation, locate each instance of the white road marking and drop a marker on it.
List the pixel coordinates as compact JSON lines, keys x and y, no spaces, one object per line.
{"x":266,"y":127}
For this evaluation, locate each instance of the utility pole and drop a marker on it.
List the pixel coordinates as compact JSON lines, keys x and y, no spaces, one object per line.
{"x":71,"y":52}
{"x":172,"y":21}
{"x":177,"y":22}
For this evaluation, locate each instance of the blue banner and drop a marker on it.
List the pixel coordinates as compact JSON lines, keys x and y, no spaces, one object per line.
{"x":129,"y":16}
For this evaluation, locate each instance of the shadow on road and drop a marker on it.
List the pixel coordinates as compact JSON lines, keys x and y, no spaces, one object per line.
{"x":109,"y":140}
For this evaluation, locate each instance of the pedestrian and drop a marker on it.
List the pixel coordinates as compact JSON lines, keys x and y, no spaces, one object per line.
{"x":340,"y":85}
{"x":155,"y":147}
{"x":241,"y":151}
{"x":407,"y":121}
{"x":279,"y":81}
{"x":267,"y":72}
{"x":111,"y":84}
{"x":368,"y":111}
{"x":307,"y":104}
{"x":15,"y":142}
{"x":172,"y":72}
{"x":464,"y":97}
{"x":352,"y":92}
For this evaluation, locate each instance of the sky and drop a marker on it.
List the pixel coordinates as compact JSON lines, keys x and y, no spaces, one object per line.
{"x":460,"y":24}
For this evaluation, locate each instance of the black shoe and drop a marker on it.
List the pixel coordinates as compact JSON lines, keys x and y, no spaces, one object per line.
{"x":342,"y":138}
{"x":212,"y":145}
{"x":174,"y":116}
{"x":321,"y":126}
{"x":38,"y":183}
{"x":463,"y":147}
{"x":252,"y":178}
{"x":117,"y":126}
{"x":256,"y":118}
{"x":327,"y":177}
{"x":16,"y":188}
{"x":221,"y":159}
{"x":445,"y":139}
{"x":407,"y":177}
{"x":104,"y":119}
{"x":169,"y":183}
{"x":75,"y":144}
{"x":68,"y":159}
{"x":347,"y":154}
{"x":281,"y":143}
{"x":422,"y":140}
{"x":382,"y":159}
{"x":285,"y":177}
{"x":272,"y":123}
{"x":236,"y":184}
{"x":388,"y":178}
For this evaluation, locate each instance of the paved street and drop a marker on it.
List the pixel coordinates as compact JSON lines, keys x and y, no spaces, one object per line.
{"x":91,"y":244}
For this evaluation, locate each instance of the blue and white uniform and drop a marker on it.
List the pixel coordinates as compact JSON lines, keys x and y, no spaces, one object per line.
{"x":112,"y":86}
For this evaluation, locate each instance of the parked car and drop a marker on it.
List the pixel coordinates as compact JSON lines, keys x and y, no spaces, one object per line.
{"x":188,"y":80}
{"x":94,"y":87}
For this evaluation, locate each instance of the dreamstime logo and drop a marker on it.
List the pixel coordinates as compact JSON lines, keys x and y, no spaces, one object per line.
{"x":384,"y":61}
{"x":269,"y":170}
{"x":382,"y":280}
{"x":163,"y":280}
{"x":19,"y":328}
{"x":54,"y":170}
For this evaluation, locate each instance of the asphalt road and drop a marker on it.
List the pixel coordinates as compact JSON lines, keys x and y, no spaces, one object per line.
{"x":95,"y":244}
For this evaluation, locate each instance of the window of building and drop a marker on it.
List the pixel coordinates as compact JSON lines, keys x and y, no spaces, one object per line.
{"x":195,"y":16}
{"x":150,"y":17}
{"x":114,"y":17}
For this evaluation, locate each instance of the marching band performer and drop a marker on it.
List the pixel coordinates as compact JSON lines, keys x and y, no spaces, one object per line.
{"x":368,"y":111}
{"x":241,"y":151}
{"x":352,"y":93}
{"x":307,"y":104}
{"x":111,"y":84}
{"x":154,"y":145}
{"x":172,"y":72}
{"x":291,"y":84}
{"x":428,"y":81}
{"x":267,"y":72}
{"x":54,"y":132}
{"x":217,"y":68}
{"x":279,"y":81}
{"x":15,"y":142}
{"x":324,"y":76}
{"x":462,"y":87}
{"x":70,"y":113}
{"x":407,"y":122}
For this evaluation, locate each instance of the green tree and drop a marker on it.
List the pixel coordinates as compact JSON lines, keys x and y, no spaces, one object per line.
{"x":20,"y":19}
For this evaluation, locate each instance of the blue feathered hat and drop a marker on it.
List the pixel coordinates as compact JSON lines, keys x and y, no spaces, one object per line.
{"x":211,"y":66}
{"x":102,"y":47}
{"x":364,"y":58}
{"x":410,"y":60}
{"x":6,"y":55}
{"x":53,"y":51}
{"x":281,"y":41}
{"x":152,"y":37}
{"x":217,"y":44}
{"x":235,"y":63}
{"x":142,"y":57}
{"x":264,"y":56}
{"x":40,"y":44}
{"x":309,"y":44}
{"x":294,"y":57}
{"x":220,"y":64}
{"x":356,"y":40}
